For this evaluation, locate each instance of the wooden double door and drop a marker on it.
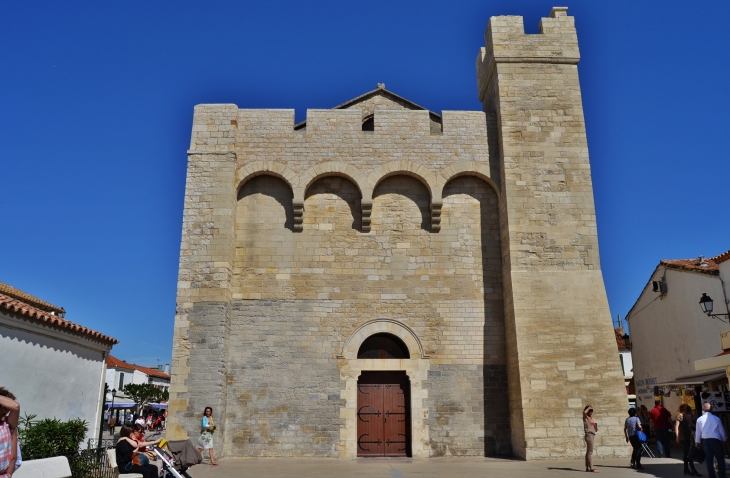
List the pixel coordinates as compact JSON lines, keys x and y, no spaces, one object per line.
{"x":383,"y":414}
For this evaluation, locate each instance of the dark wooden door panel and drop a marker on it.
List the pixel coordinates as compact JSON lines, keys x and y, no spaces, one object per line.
{"x":370,"y":420}
{"x":383,"y":417}
{"x":395,"y":420}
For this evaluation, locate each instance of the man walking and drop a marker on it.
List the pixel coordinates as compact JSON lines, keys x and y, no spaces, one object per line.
{"x":710,"y":435}
{"x":660,"y":418}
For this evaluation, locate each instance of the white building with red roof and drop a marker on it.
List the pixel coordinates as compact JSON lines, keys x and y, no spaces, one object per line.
{"x":55,"y":368}
{"x":120,"y":373}
{"x":669,"y":330}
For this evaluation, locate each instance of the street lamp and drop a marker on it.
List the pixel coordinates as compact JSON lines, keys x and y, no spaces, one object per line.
{"x":706,"y":304}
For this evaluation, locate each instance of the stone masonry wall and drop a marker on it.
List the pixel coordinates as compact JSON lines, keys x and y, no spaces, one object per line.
{"x":297,"y":296}
{"x":561,"y":346}
{"x":478,"y":237}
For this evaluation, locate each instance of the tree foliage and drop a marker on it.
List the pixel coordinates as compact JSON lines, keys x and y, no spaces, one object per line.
{"x":50,"y":437}
{"x":144,"y":393}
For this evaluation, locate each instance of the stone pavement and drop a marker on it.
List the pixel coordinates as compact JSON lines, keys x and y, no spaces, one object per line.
{"x":430,"y":468}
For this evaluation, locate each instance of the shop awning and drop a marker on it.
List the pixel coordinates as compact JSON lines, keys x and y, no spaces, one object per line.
{"x":695,"y":379}
{"x":121,"y":404}
{"x":157,"y":406}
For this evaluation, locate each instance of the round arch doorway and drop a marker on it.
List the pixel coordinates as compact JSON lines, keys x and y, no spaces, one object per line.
{"x":383,"y":401}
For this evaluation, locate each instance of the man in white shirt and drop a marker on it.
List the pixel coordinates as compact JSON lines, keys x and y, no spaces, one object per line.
{"x":140,"y":420}
{"x":711,"y":435}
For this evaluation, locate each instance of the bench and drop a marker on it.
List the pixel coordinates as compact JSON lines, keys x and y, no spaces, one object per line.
{"x":112,"y":456}
{"x":56,"y":467}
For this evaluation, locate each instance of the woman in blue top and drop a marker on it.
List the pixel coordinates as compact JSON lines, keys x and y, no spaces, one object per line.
{"x":205,"y":442}
{"x":631,"y":427}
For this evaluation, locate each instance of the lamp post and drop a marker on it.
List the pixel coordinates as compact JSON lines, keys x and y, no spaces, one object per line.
{"x":101,"y":419}
{"x":707,"y":306}
{"x":114,"y":393}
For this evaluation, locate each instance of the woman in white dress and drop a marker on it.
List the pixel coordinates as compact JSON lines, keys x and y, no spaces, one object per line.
{"x":205,"y":442}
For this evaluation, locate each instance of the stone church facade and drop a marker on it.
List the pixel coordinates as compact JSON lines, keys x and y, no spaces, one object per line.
{"x":381,"y":280}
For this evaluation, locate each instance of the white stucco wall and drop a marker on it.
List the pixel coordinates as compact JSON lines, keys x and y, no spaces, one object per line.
{"x":725,"y":276}
{"x":627,"y":363}
{"x":52,"y":373}
{"x":161,"y":382}
{"x":668,"y":334}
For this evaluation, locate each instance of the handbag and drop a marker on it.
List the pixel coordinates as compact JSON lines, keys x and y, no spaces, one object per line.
{"x":138,"y":459}
{"x":642,"y":436}
{"x":696,"y":454}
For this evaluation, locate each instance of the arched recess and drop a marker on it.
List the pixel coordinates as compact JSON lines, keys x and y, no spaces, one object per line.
{"x":409,"y":168}
{"x":430,"y":179}
{"x":377,"y":326}
{"x":258,"y":168}
{"x":271,"y":186}
{"x":330,"y":168}
{"x":466,"y":168}
{"x":276,"y":169}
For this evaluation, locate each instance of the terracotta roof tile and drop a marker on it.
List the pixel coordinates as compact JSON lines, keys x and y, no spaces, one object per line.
{"x":29,"y":299}
{"x":692,"y":265}
{"x":725,"y":256}
{"x":152,"y":372}
{"x":620,"y":338}
{"x":28,"y":311}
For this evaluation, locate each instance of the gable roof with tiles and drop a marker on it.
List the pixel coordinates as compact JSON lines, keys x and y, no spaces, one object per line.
{"x":705,"y":266}
{"x":725,"y":256}
{"x":151,"y":372}
{"x":17,"y":302}
{"x":700,"y":265}
{"x":30,"y":299}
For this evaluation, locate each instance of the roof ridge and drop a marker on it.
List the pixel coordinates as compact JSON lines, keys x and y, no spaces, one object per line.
{"x":363,"y":96}
{"x":112,"y":361}
{"x":20,"y":307}
{"x":692,"y":265}
{"x":720,"y":258}
{"x":32,"y":300}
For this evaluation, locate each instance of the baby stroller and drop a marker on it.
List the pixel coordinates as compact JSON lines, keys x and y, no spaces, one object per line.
{"x":177,"y":457}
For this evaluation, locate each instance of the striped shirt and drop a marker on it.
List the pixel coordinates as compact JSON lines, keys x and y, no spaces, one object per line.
{"x":6,"y":447}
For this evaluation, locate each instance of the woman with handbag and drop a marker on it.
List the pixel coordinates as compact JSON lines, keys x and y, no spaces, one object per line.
{"x":590,"y":427}
{"x":632,"y":431}
{"x":684,"y":427}
{"x":205,"y":442}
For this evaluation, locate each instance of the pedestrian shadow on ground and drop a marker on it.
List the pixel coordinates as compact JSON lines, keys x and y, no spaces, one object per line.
{"x":659,"y":470}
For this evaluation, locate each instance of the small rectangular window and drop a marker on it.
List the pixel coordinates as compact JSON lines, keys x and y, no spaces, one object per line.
{"x":121,"y":380}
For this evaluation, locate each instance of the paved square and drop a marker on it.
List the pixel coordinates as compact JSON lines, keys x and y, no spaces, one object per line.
{"x":461,"y":467}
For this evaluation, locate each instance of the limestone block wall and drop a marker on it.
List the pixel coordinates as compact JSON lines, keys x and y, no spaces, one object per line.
{"x":327,"y":228}
{"x":474,"y":237}
{"x":561,"y":349}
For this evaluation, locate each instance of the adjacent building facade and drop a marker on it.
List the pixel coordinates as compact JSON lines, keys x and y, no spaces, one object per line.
{"x":120,"y":373}
{"x":383,"y":280}
{"x":54,"y":367}
{"x":669,"y":331}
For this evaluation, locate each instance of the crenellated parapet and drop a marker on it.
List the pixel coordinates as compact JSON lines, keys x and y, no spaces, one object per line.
{"x":506,"y":42}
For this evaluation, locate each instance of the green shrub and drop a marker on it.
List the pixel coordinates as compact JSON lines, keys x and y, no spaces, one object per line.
{"x":50,"y":437}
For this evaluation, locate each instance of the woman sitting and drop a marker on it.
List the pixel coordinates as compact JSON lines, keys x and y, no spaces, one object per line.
{"x":128,"y":458}
{"x":138,"y":436}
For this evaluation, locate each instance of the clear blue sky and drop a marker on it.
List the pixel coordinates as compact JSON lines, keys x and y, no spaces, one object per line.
{"x":96,"y":102}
